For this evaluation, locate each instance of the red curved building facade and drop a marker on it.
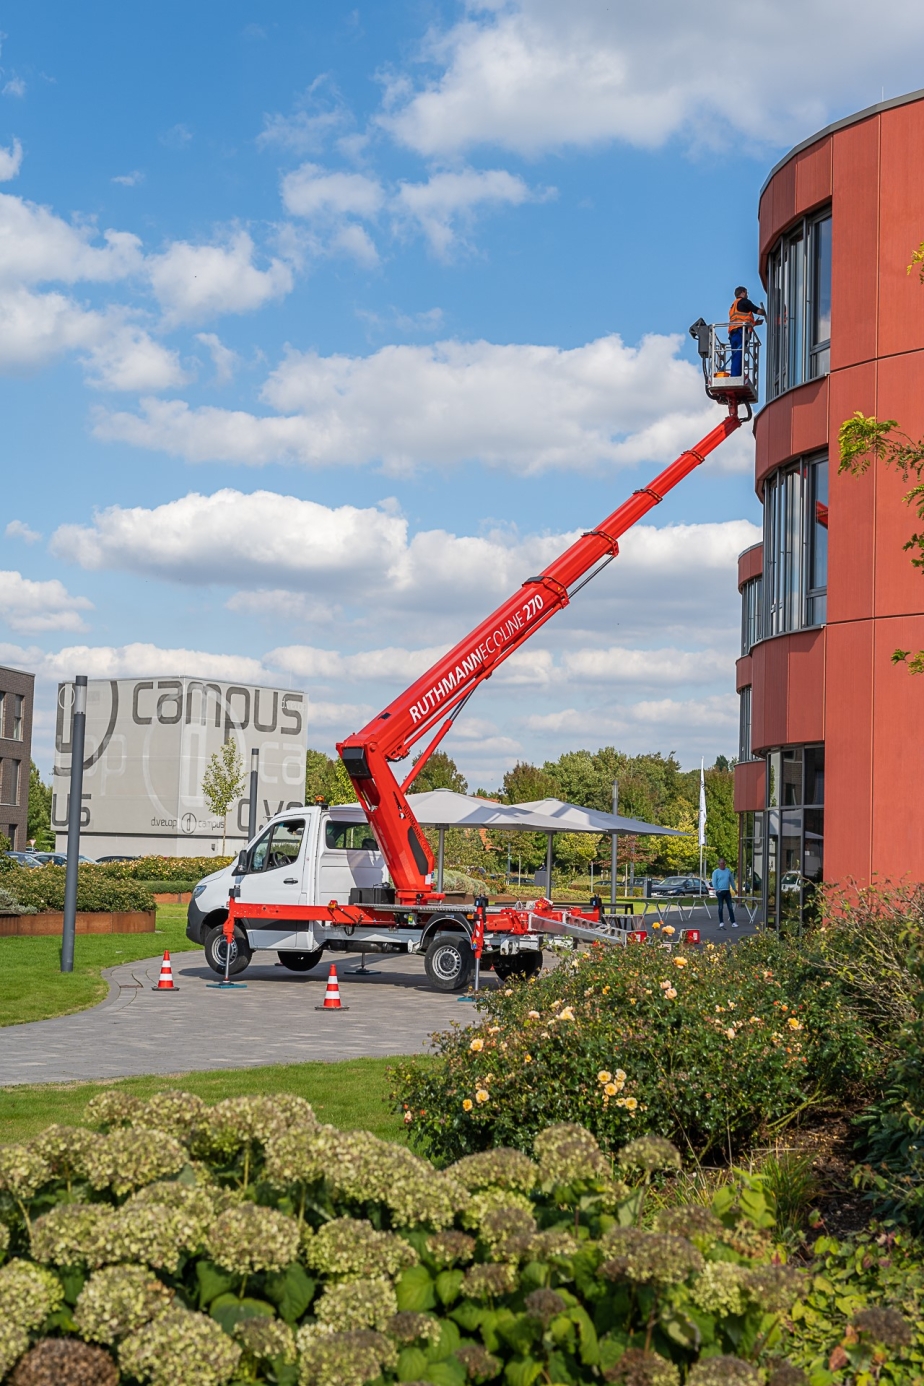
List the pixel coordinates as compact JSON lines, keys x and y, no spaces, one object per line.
{"x":831,"y":761}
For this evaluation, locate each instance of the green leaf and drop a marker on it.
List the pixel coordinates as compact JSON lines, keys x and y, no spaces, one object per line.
{"x":412,"y":1364}
{"x":290,"y":1290}
{"x":448,"y":1373}
{"x":590,"y":1350}
{"x":212,"y":1281}
{"x":450,"y":1338}
{"x":524,"y":1372}
{"x":73,"y":1281}
{"x":228,"y":1310}
{"x":448,"y":1284}
{"x":472,"y":1316}
{"x":415,"y":1290}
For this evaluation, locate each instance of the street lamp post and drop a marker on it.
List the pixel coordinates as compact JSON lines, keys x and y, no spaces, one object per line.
{"x":78,"y":740}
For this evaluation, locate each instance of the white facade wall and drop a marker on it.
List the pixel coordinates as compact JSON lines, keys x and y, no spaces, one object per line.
{"x":148,"y":744}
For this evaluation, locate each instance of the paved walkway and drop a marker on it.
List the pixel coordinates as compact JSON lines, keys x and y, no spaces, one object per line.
{"x":274,"y":1021}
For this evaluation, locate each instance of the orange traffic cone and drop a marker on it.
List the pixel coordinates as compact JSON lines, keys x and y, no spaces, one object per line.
{"x":332,"y":1000}
{"x":166,"y":982}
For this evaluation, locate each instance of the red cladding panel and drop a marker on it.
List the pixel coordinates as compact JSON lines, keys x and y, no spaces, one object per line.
{"x":750,"y":791}
{"x":813,"y":176}
{"x":898,"y":754}
{"x":855,"y":244}
{"x":809,"y":417}
{"x":774,"y":443}
{"x":849,"y":751}
{"x":901,"y":227}
{"x":899,"y":587}
{"x":805,"y":702}
{"x":743,"y":674}
{"x":852,"y":505}
{"x":750,"y":564}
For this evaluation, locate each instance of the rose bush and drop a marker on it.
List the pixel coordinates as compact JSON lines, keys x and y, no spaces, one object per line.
{"x":707,"y":1046}
{"x":248,"y":1243}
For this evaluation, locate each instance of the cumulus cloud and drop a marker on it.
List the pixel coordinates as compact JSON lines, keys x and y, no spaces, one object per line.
{"x":39,"y":606}
{"x":312,"y":191}
{"x":36,"y":246}
{"x":129,"y":180}
{"x":524,"y":408}
{"x":437,"y":204}
{"x":390,"y":664}
{"x":224,"y":359}
{"x":535,"y":75}
{"x":10,"y":161}
{"x":196,"y":282}
{"x":127,"y":358}
{"x":18,"y":529}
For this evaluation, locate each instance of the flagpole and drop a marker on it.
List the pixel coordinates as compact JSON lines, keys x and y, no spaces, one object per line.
{"x":702,"y":814}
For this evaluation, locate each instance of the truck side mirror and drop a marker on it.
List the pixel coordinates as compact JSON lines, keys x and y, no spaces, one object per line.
{"x":240,"y":868}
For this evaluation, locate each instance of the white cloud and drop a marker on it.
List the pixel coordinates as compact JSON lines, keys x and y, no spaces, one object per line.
{"x":128,"y":358}
{"x":36,"y":246}
{"x":354,"y":240}
{"x":717,"y":714}
{"x":196,"y":282}
{"x":129,"y":180}
{"x":445,"y":197}
{"x":524,"y":408}
{"x":534,"y":75}
{"x":14,"y":87}
{"x":39,"y":606}
{"x":614,"y":665}
{"x":18,"y":529}
{"x":10,"y":161}
{"x":224,"y":359}
{"x":390,"y":664}
{"x":311,"y":191}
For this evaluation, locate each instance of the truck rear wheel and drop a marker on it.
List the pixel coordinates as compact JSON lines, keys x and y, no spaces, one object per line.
{"x":215,"y":947}
{"x":523,"y":965}
{"x":449,"y":962}
{"x":301,"y":962}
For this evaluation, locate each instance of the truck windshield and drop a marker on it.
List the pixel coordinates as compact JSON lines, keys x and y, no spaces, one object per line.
{"x":346,"y":837}
{"x":279,"y":847}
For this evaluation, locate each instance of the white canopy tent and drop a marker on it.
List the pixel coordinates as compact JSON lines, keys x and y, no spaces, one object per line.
{"x":443,"y":808}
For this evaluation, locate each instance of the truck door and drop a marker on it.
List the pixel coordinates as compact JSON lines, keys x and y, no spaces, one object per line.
{"x":348,"y":856}
{"x":276,"y":864}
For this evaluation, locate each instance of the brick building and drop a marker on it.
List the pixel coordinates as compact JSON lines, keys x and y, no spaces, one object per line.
{"x":16,"y":700}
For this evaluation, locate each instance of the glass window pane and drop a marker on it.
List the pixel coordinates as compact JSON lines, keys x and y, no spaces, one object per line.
{"x":814,"y":774}
{"x":821,"y":288}
{"x":285,"y":844}
{"x":813,"y":867}
{"x":773,"y":779}
{"x":771,"y":847}
{"x":744,"y":729}
{"x":818,"y":522}
{"x":350,"y":837}
{"x":791,"y":770}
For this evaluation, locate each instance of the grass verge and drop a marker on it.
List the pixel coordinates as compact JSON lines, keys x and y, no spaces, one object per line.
{"x":35,"y":988}
{"x":350,"y":1094}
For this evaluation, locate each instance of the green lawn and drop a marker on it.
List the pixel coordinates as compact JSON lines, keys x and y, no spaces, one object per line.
{"x":350,"y":1094}
{"x":33,"y":986}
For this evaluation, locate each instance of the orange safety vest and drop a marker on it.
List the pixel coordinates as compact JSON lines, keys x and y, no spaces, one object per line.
{"x":738,"y":319}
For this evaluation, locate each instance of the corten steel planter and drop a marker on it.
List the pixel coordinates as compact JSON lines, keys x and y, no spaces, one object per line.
{"x":88,"y":922}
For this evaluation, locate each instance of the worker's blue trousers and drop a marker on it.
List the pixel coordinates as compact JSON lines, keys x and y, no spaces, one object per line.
{"x":734,"y":341}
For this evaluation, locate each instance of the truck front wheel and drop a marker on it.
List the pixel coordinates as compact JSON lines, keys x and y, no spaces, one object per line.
{"x":215,"y":947}
{"x":448,"y":962}
{"x":301,"y":962}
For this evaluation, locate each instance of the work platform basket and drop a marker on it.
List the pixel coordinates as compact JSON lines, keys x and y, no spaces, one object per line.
{"x":730,"y":361}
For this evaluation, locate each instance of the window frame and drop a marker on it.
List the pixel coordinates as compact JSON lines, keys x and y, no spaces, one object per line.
{"x":752,"y":613}
{"x":797,"y":266}
{"x":790,"y":548}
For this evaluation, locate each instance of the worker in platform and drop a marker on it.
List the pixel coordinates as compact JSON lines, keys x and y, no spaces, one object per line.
{"x":743,"y":313}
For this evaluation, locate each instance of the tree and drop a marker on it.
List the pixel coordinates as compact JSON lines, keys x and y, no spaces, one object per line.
{"x":526,"y":782}
{"x":440,"y":772}
{"x":39,"y":829}
{"x":222,"y":782}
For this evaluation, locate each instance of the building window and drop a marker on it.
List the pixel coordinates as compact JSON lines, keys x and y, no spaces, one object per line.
{"x":744,"y":724}
{"x":799,"y":323}
{"x":795,"y":547}
{"x":2,"y":714}
{"x":16,"y":720}
{"x":752,"y":597}
{"x":9,"y":781}
{"x":789,"y":842}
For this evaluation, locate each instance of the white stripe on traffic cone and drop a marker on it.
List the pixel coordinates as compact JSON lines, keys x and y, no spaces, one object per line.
{"x":332,"y":1000}
{"x":166,"y":982}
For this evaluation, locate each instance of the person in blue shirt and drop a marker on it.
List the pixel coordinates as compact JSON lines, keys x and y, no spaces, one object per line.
{"x":723,"y":883}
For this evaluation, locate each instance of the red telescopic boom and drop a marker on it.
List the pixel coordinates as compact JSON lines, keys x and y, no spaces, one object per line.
{"x":441,"y":692}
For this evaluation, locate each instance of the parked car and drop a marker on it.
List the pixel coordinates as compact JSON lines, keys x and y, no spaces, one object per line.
{"x":24,"y":858}
{"x":50,"y":858}
{"x":681,"y":885}
{"x":101,"y":860}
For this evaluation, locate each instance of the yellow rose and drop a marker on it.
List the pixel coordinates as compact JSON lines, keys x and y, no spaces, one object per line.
{"x":656,"y":925}
{"x":610,"y":1089}
{"x":482,"y":1095}
{"x":669,"y":929}
{"x":467,"y":1104}
{"x":527,"y":1058}
{"x":620,"y":1076}
{"x":476,"y":1046}
{"x":793,"y":1023}
{"x":680,"y":962}
{"x":670,"y":993}
{"x":566,"y":1014}
{"x":730,"y":1032}
{"x":533,"y":1015}
{"x":631,"y":1103}
{"x":604,"y":1076}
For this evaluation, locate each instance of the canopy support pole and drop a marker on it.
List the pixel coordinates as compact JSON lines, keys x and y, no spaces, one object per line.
{"x":440,"y":855}
{"x":548,"y":866}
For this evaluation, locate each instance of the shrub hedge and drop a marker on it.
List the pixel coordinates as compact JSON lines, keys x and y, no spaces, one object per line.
{"x":42,"y":888}
{"x":185,"y":1245}
{"x":708,"y":1047}
{"x":163,"y":869}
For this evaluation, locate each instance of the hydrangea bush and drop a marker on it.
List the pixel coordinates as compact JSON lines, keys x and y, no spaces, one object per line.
{"x":245,"y":1242}
{"x":707,"y":1046}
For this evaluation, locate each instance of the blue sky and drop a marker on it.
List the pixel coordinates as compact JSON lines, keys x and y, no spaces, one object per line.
{"x":420,"y":276}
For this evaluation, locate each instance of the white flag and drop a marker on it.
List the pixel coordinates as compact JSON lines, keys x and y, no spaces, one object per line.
{"x":702,"y":804}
